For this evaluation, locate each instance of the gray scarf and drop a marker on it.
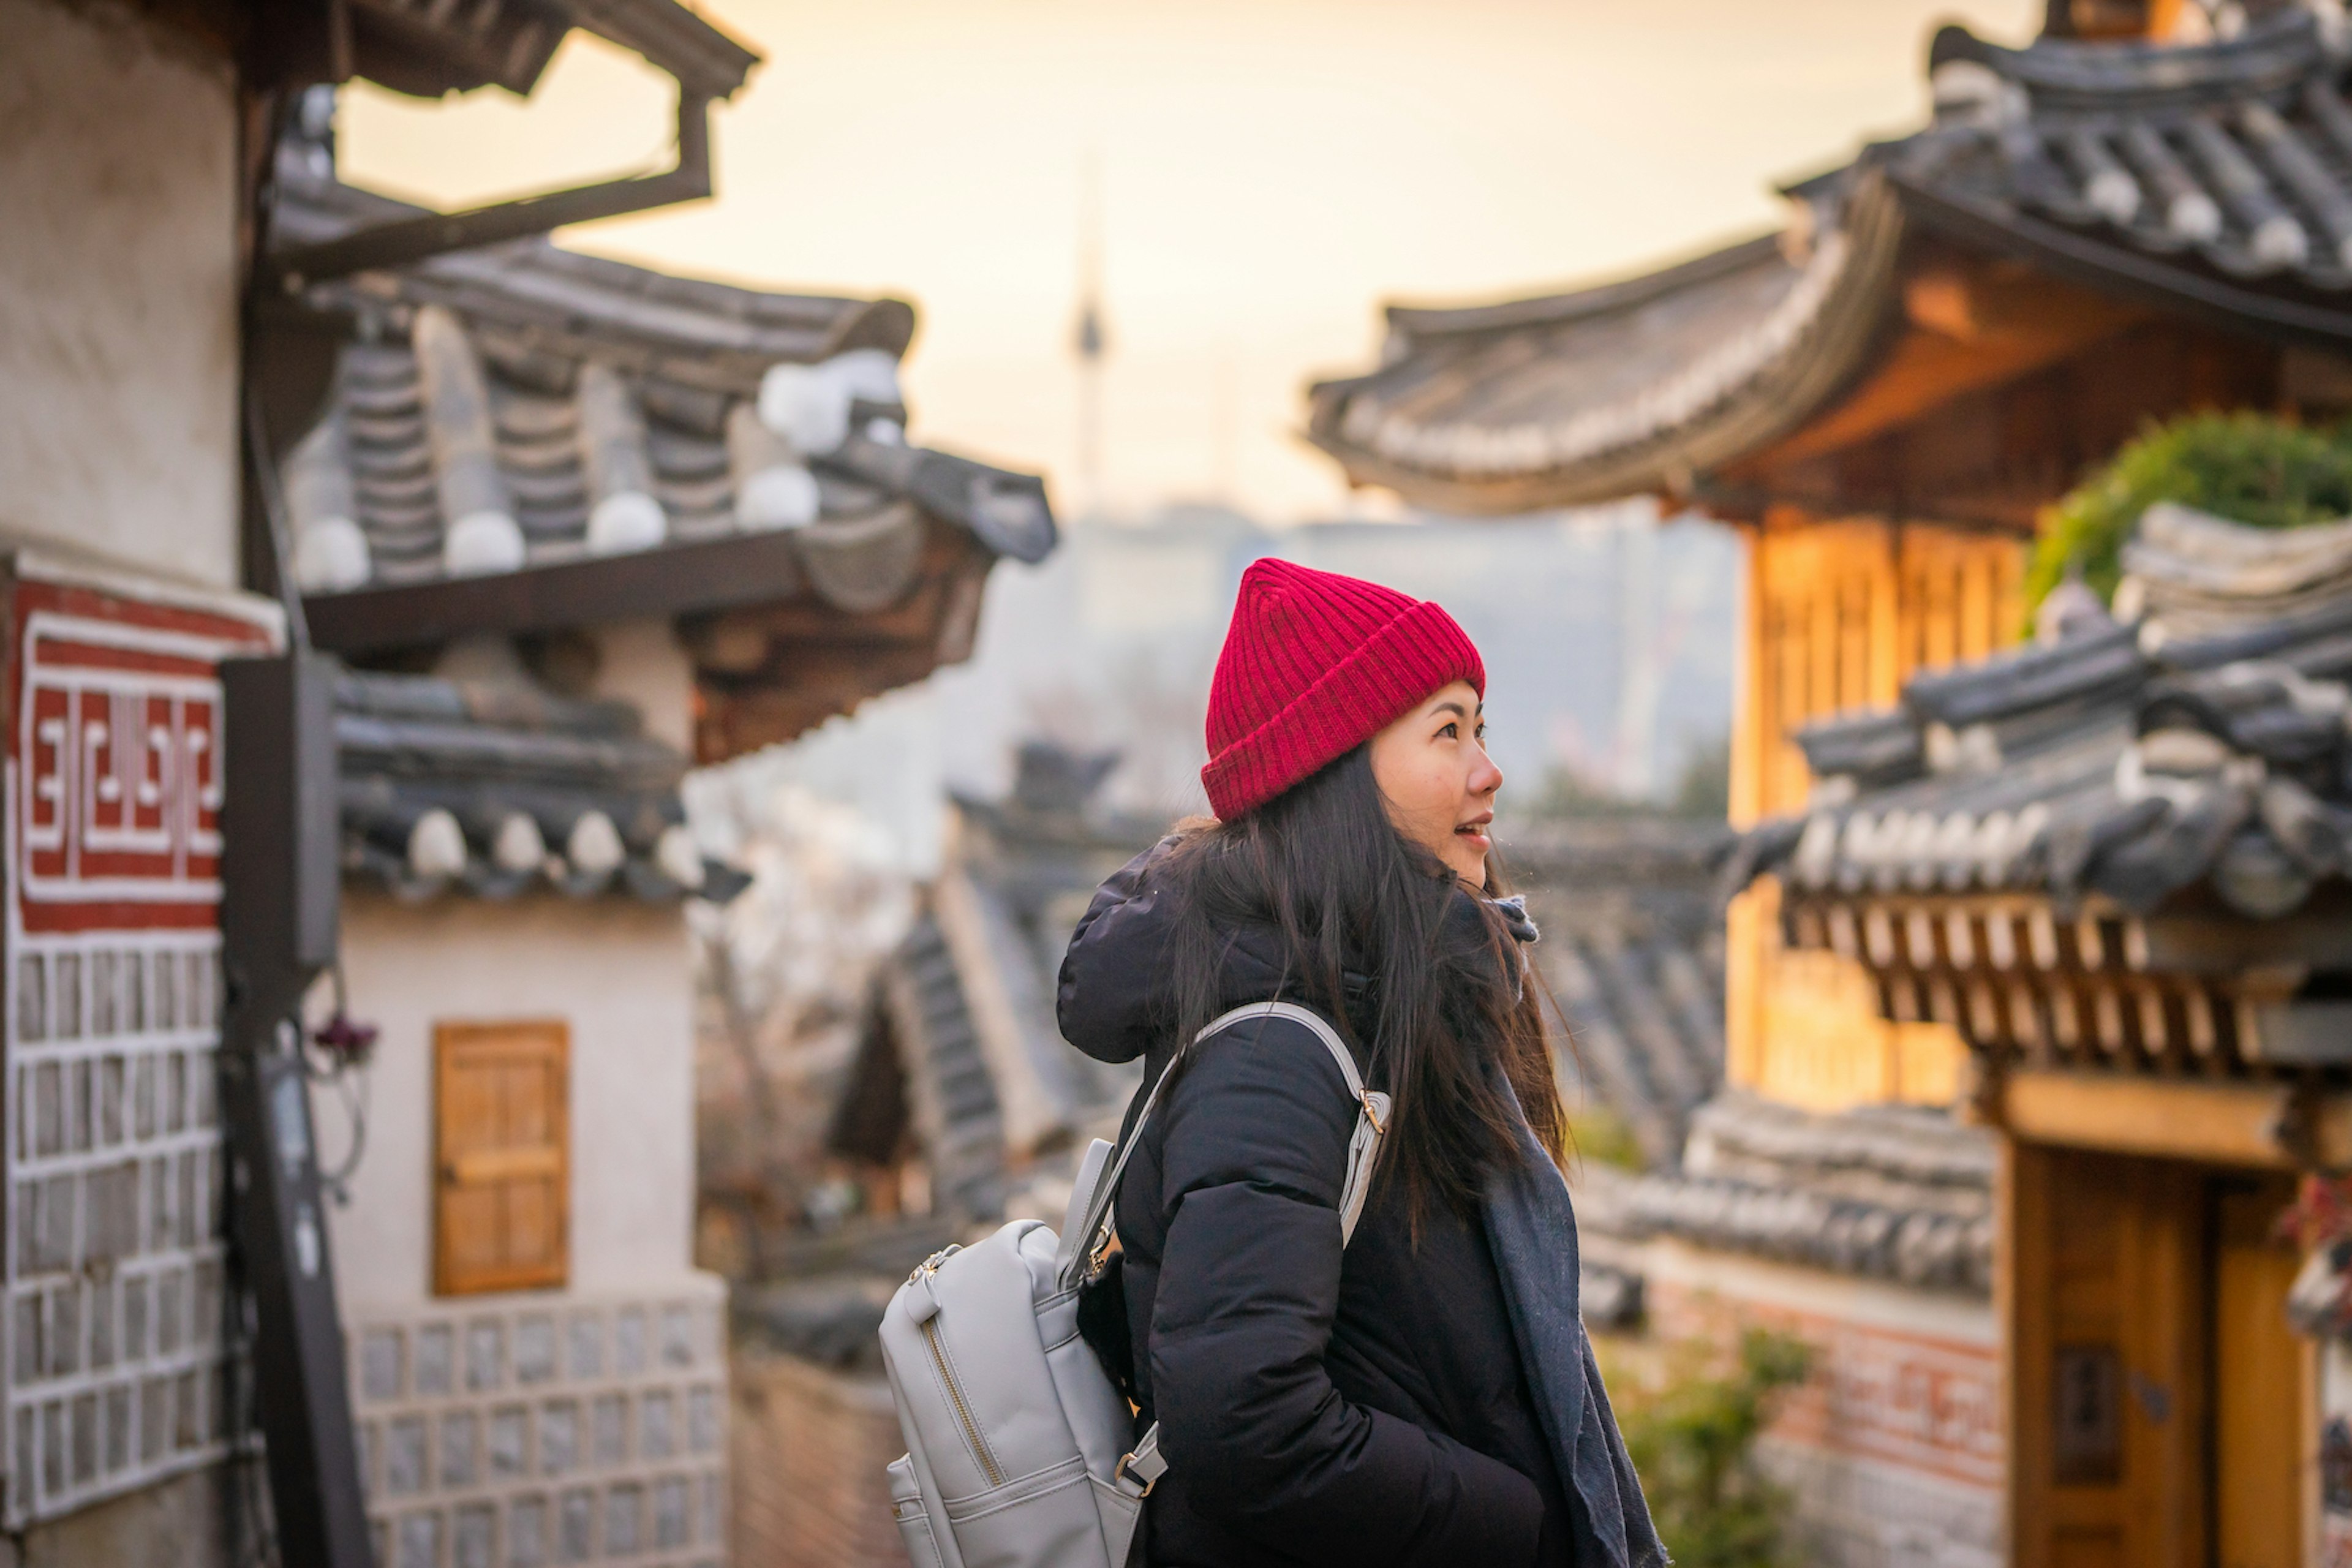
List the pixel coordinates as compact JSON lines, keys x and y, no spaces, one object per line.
{"x":1531,"y":1228}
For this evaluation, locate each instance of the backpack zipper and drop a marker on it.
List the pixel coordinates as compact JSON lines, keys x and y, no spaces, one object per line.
{"x":963,"y":1412}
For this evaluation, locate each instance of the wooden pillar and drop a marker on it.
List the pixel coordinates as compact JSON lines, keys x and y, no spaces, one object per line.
{"x":2265,"y":1393}
{"x":1744,"y":924}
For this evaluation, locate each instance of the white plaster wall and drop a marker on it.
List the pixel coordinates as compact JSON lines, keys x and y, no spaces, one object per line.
{"x":619,"y":972}
{"x":118,"y":289}
{"x":641,"y":662}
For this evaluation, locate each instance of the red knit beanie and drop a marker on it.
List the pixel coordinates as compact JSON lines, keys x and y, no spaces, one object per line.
{"x":1315,"y":664}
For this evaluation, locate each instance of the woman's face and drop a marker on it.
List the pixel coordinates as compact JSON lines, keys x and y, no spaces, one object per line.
{"x":1434,"y":771}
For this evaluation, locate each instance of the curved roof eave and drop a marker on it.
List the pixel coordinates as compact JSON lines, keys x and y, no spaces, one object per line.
{"x":1821,"y":360}
{"x":1418,"y":322}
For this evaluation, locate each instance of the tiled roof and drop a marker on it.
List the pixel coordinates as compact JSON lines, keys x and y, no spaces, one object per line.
{"x":1608,"y":391}
{"x":497,"y":789}
{"x":922,"y":1031}
{"x":1632,"y":954}
{"x":2216,"y":178}
{"x":520,"y":406}
{"x":1000,"y":1103}
{"x":519,"y":440}
{"x":531,"y":297}
{"x":2203,"y":744}
{"x":1889,"y":1192}
{"x":2233,"y":154}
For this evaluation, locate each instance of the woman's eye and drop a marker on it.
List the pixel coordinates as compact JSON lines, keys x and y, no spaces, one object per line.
{"x":1482,"y":734}
{"x":1450,"y":732}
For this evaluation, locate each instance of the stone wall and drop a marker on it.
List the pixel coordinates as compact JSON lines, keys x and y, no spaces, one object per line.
{"x":809,"y":1447}
{"x":523,"y":1430}
{"x":205,"y":1519}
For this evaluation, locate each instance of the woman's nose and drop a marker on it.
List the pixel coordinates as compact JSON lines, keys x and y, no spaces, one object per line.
{"x":1485,"y":778}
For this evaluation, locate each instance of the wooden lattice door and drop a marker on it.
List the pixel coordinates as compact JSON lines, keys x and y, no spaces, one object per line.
{"x":1841,"y":612}
{"x":501,"y":1161}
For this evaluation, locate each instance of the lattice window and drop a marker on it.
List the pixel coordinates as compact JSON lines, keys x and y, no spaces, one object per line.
{"x":502,"y":1170}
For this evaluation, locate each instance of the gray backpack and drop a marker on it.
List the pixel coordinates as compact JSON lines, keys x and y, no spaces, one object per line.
{"x":1018,"y":1451}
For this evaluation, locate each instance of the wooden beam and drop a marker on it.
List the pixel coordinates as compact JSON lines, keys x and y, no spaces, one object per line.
{"x":2202,"y":943}
{"x":670,"y":580}
{"x":2217,"y":1123}
{"x":1964,"y":327}
{"x":737,"y":575}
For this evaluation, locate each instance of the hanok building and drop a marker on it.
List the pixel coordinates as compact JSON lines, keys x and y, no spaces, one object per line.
{"x":1632,"y":953}
{"x":577,"y":526}
{"x":2110,"y":227}
{"x":538,"y":1371}
{"x":135,"y":174}
{"x":2128,"y":899}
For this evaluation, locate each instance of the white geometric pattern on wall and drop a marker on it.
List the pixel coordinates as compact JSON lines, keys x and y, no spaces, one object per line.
{"x":111,"y":1335}
{"x":115,"y":1261}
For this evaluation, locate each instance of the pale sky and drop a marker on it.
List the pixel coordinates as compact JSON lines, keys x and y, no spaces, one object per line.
{"x":1271,"y":171}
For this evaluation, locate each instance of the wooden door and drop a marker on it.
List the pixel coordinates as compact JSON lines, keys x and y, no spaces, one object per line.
{"x":2262,"y":1395}
{"x":501,"y":1156}
{"x":2159,"y":1402}
{"x":2103,"y":1289}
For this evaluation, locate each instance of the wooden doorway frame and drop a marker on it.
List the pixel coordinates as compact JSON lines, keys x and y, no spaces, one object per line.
{"x":2107,"y":1269}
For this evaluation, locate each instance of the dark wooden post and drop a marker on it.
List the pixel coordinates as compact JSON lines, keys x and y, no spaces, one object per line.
{"x":278,"y":905}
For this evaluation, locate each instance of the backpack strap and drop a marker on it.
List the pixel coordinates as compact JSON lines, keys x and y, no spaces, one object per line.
{"x":1139,"y":1470}
{"x":1081,"y":1242}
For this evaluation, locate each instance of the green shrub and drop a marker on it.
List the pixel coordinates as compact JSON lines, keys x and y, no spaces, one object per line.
{"x":1599,"y":1134}
{"x":2249,"y":467}
{"x":1691,"y":1432}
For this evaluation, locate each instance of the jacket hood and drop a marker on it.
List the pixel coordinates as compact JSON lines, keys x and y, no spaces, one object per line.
{"x":1116,"y":996}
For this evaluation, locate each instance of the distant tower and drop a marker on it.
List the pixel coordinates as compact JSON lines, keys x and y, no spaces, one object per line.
{"x":1641,"y":668}
{"x":1089,"y":339}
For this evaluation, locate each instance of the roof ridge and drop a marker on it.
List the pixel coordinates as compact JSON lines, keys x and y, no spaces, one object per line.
{"x":1579,"y":304}
{"x":2270,"y":54}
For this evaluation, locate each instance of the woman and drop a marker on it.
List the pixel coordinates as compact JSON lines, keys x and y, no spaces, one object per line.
{"x":1425,"y":1395}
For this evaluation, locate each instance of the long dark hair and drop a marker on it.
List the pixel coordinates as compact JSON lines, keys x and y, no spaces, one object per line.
{"x":1376,"y":933}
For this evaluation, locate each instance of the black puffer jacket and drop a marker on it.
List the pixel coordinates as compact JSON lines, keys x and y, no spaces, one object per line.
{"x":1367,"y":1409}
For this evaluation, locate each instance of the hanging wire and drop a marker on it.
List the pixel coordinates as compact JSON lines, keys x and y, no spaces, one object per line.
{"x":338,"y":1054}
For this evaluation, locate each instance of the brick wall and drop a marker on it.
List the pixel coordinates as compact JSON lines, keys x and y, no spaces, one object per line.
{"x":1892,"y":1447}
{"x":809,"y":1447}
